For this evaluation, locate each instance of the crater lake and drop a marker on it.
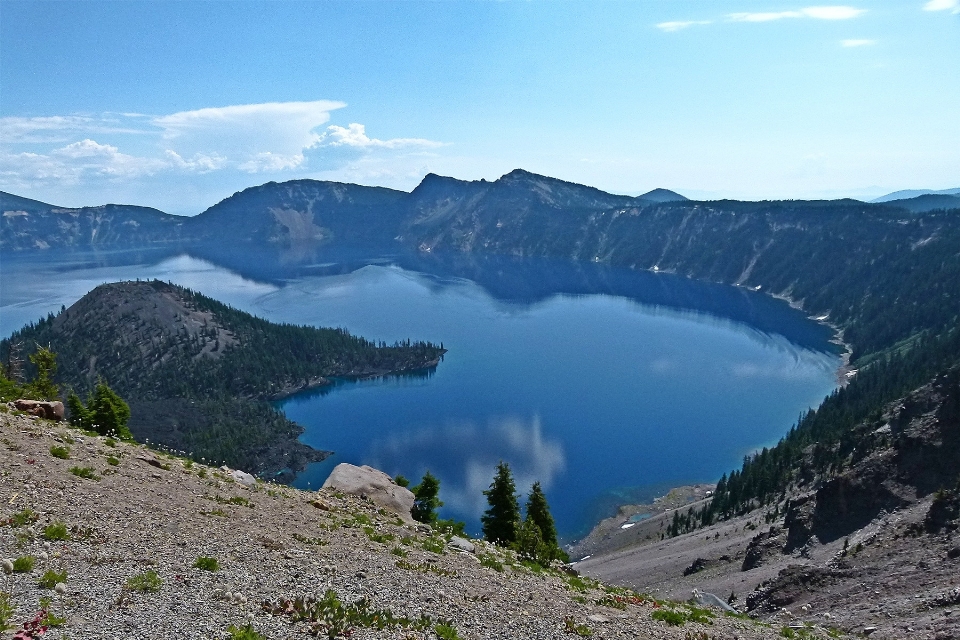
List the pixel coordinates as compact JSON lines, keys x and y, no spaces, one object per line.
{"x":599,"y":383}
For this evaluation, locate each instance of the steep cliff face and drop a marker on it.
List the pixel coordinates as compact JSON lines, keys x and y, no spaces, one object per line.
{"x":912,"y":451}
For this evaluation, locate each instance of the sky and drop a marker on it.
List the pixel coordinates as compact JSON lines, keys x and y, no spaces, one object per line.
{"x":176,"y":105}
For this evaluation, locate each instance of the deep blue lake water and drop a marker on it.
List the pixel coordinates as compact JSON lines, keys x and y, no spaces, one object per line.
{"x":598,"y":382}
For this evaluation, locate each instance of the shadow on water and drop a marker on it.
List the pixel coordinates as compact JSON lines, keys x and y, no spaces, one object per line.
{"x":508,"y":279}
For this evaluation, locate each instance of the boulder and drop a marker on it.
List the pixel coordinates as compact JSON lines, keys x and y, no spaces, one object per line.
{"x":373,"y":484}
{"x":461,"y":544}
{"x":244,"y":478}
{"x":51,"y":410}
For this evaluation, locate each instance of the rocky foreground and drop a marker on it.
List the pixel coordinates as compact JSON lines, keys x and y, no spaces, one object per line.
{"x":872,"y":550}
{"x":155,"y":547}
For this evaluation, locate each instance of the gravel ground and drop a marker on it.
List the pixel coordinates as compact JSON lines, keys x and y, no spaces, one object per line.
{"x":899,"y":586}
{"x":154,"y":513}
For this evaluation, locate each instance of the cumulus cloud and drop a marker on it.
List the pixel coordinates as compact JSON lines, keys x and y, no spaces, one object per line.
{"x":857,"y":43}
{"x":355,"y":135}
{"x":677,"y":25}
{"x":833,"y":12}
{"x":268,"y":138}
{"x":75,"y":162}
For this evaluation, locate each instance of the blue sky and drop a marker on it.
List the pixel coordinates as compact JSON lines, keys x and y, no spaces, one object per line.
{"x":177,"y":105}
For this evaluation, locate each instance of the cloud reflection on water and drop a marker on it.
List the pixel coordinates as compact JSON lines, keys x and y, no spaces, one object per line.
{"x":466,"y":456}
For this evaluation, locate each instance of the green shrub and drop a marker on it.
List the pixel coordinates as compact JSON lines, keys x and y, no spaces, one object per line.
{"x":23,"y":518}
{"x":581,"y":630}
{"x":50,"y":619}
{"x":56,"y":531}
{"x":243,"y":633}
{"x":491,"y":562}
{"x":85,"y":472}
{"x":58,"y":451}
{"x":51,"y":578}
{"x":434,"y":545}
{"x":24,"y":564}
{"x":446,"y":632}
{"x":206,"y":563}
{"x":671,"y":617}
{"x":6,"y":611}
{"x":146,"y":582}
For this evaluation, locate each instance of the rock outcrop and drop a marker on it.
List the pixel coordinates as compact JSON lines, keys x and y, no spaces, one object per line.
{"x":51,"y":410}
{"x":373,"y":485}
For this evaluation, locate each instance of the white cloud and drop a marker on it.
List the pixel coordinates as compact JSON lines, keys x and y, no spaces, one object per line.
{"x":857,"y":43}
{"x":834,"y":12}
{"x":54,"y":129}
{"x":74,"y":163}
{"x":943,"y":5}
{"x":355,"y":136}
{"x":272,"y":138}
{"x":677,"y":25}
{"x":266,"y":137}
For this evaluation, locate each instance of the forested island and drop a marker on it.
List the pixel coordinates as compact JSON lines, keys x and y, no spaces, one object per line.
{"x":199,"y":375}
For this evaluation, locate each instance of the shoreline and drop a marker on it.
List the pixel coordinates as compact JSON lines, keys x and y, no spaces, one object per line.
{"x":622,"y":528}
{"x":844,"y":372}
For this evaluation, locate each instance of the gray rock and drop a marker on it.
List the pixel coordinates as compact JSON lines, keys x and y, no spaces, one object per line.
{"x":461,"y":544}
{"x":244,"y":478}
{"x":373,"y":484}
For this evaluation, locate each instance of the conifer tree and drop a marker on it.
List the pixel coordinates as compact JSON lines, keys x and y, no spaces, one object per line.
{"x":426,"y":501}
{"x":539,"y":513}
{"x":501,"y":520}
{"x":106,"y":412}
{"x":42,"y":386}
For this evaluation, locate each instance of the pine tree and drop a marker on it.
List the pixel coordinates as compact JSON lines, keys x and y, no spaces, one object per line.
{"x":426,"y":501}
{"x":538,"y":511}
{"x":42,"y":386}
{"x":501,"y":520}
{"x":106,"y":412}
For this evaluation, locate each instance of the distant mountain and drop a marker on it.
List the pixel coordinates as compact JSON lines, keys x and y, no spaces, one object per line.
{"x":913,"y":193}
{"x":303,"y":211}
{"x":662,"y":195}
{"x":927,"y":202}
{"x":30,"y":224}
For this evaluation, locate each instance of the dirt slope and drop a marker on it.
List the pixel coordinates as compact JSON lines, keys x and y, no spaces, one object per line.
{"x":272,"y":543}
